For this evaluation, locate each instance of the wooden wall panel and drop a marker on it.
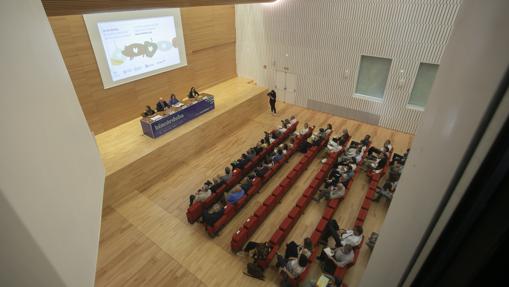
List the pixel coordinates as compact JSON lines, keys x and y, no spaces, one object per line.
{"x":76,"y":7}
{"x":210,"y":47}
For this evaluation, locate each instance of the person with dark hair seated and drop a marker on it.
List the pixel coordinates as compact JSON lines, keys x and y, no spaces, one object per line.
{"x":246,"y":184}
{"x":386,"y":191}
{"x":213,"y":214}
{"x":344,"y":137}
{"x":278,"y":156}
{"x":173,"y":100}
{"x":294,"y":250}
{"x":193,"y":93}
{"x":227,"y":174}
{"x":241,"y":163}
{"x":366,"y":140}
{"x":148,"y":112}
{"x":161,"y":105}
{"x":337,"y":257}
{"x":329,"y":192}
{"x":261,"y":170}
{"x":292,"y":267}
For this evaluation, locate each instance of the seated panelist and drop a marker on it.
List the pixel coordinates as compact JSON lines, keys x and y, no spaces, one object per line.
{"x":148,"y":112}
{"x":161,"y":105}
{"x":193,"y":93}
{"x":173,"y":100}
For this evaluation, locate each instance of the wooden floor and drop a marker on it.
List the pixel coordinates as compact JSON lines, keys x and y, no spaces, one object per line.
{"x":146,"y":240}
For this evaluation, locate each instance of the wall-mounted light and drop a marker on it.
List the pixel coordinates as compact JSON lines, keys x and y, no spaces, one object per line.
{"x":346,"y":74}
{"x":402,"y":80}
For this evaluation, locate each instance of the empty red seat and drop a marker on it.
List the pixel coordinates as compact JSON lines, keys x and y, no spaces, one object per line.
{"x":295,"y":212}
{"x":277,"y":237}
{"x":371,"y":194}
{"x":302,"y":202}
{"x":362,"y":215}
{"x":333,"y":203}
{"x":309,"y":192}
{"x":238,"y":240}
{"x":194,"y":212}
{"x":315,"y":183}
{"x":261,"y":212}
{"x":321,"y":225}
{"x":251,"y":223}
{"x":270,"y":201}
{"x":241,"y":202}
{"x":286,"y":225}
{"x":328,"y":213}
{"x":366,"y":204}
{"x":359,"y":222}
{"x":315,"y":237}
{"x":350,"y":184}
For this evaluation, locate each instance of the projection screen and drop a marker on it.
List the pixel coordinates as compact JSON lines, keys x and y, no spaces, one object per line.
{"x":132,"y":45}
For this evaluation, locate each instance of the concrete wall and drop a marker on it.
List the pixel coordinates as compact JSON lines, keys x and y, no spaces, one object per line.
{"x":51,"y":176}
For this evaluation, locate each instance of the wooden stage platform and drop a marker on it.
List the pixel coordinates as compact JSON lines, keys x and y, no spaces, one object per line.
{"x":132,"y":161}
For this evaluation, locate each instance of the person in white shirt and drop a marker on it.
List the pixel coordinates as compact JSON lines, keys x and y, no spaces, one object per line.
{"x":304,"y":130}
{"x":293,"y":120}
{"x":294,"y":267}
{"x":330,"y":192}
{"x":388,"y":145}
{"x":352,"y":237}
{"x":343,"y":255}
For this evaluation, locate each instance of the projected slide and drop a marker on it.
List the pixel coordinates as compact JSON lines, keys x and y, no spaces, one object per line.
{"x":136,"y":44}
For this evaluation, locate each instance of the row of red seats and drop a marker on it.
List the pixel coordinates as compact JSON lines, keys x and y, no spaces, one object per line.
{"x":293,"y":216}
{"x":328,"y":213}
{"x":232,"y":209}
{"x":195,"y":211}
{"x":252,"y":223}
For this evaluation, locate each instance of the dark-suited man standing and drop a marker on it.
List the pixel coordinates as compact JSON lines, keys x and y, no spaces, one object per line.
{"x":272,"y":101}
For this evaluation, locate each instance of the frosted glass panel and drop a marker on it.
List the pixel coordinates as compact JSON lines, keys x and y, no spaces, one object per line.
{"x":373,"y":74}
{"x":422,"y":85}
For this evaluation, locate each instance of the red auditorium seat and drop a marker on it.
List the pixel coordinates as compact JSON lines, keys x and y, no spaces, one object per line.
{"x":251,"y":222}
{"x":309,"y":192}
{"x":328,"y":213}
{"x":315,"y":183}
{"x":295,"y":212}
{"x":286,"y":224}
{"x":333,"y":203}
{"x":315,"y":237}
{"x":261,"y":212}
{"x":362,"y":215}
{"x":278,"y":192}
{"x":366,"y":204}
{"x":302,"y":202}
{"x":277,"y":237}
{"x":321,"y":225}
{"x":241,"y":202}
{"x":270,"y":202}
{"x":371,"y":194}
{"x":359,"y":222}
{"x":239,"y":237}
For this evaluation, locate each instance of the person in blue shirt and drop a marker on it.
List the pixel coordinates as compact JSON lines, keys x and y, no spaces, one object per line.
{"x":235,"y":195}
{"x":173,"y":100}
{"x":278,"y":156}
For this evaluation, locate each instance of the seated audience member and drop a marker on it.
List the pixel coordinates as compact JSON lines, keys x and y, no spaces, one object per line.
{"x":304,"y":130}
{"x":173,"y":100}
{"x":227,"y":174}
{"x":292,"y":267}
{"x":401,"y":159}
{"x":261,"y":170}
{"x":366,"y":140}
{"x":201,"y":195}
{"x":329,"y":191}
{"x":294,"y":250}
{"x":340,"y":257}
{"x":213,"y":214}
{"x":148,"y":112}
{"x":333,"y":145}
{"x":268,"y":138}
{"x":344,"y":137}
{"x":258,"y":148}
{"x":292,"y":142}
{"x":386,"y":191}
{"x":161,"y":105}
{"x":193,"y":93}
{"x":268,"y":163}
{"x":257,"y":251}
{"x":235,"y":195}
{"x":293,"y":120}
{"x":321,"y":133}
{"x":352,"y":237}
{"x":246,"y":184}
{"x":388,"y":146}
{"x":283,"y":127}
{"x":376,"y":163}
{"x":263,"y":143}
{"x":241,"y":162}
{"x":217,"y":182}
{"x":328,"y":129}
{"x":395,"y":172}
{"x":251,"y":153}
{"x":278,"y":156}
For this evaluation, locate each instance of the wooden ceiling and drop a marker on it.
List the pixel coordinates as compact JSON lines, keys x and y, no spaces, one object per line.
{"x":75,"y":7}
